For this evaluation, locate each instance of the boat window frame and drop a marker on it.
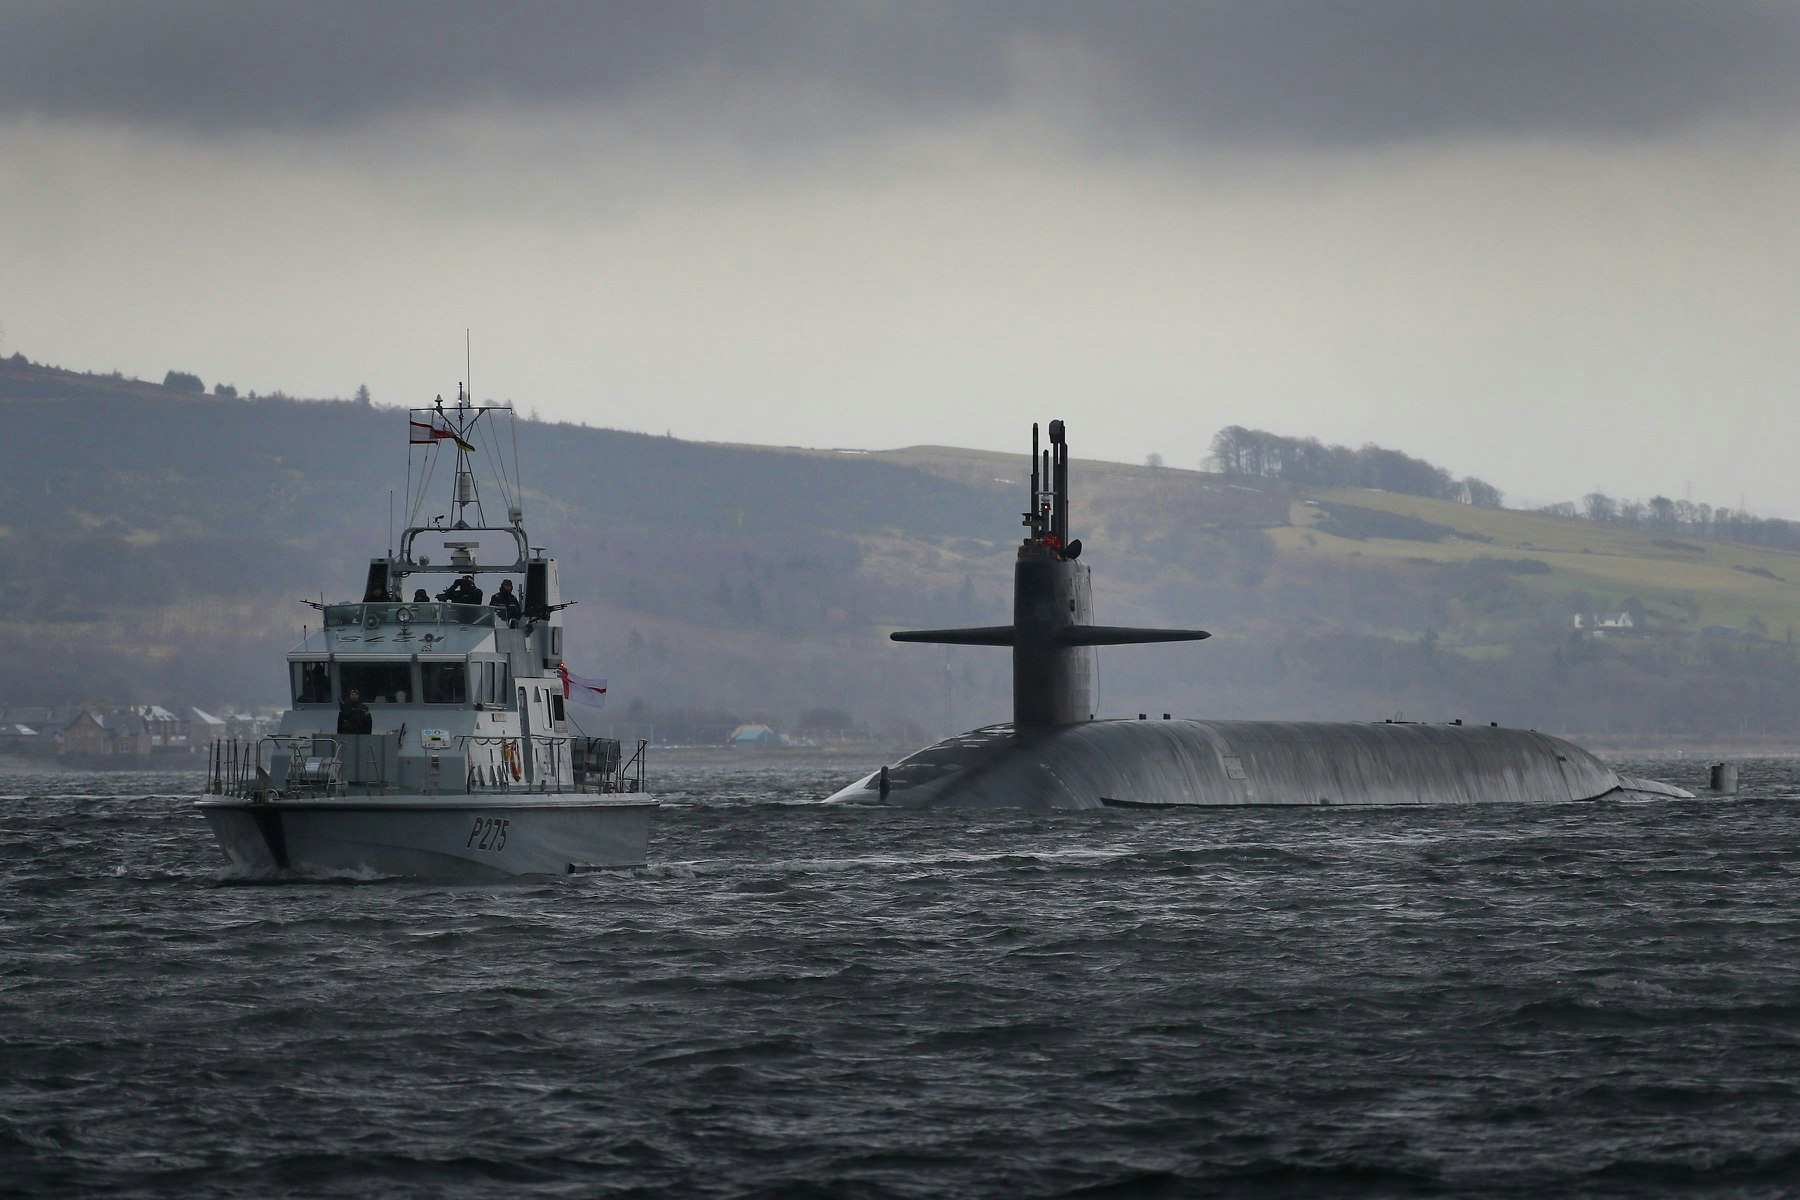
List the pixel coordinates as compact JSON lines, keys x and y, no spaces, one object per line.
{"x":360,"y":666}
{"x":296,"y":666}
{"x":430,"y":667}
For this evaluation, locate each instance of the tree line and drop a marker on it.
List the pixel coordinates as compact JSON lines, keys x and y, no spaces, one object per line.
{"x":1659,"y":514}
{"x":1307,"y":462}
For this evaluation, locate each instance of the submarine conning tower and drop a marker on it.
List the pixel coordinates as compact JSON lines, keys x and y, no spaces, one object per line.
{"x":1052,"y":634}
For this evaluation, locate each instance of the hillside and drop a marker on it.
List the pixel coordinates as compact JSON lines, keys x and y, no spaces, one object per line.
{"x":155,"y":545}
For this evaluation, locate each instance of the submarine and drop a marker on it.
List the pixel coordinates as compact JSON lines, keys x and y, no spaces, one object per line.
{"x":1054,"y":754}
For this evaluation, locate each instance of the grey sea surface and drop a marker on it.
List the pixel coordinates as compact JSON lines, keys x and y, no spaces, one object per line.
{"x":793,"y":1000}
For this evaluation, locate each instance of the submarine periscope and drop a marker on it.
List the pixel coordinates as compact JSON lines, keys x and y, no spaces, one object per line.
{"x":1054,"y":754}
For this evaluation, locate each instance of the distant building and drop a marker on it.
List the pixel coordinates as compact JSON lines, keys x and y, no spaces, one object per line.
{"x":88,"y":736}
{"x":755,"y":736}
{"x":201,"y":728}
{"x":1602,"y":624}
{"x":45,"y":726}
{"x":163,"y":730}
{"x":19,"y":739}
{"x":123,"y":731}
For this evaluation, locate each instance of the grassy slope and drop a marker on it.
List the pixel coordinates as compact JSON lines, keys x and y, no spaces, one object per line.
{"x":1687,"y":583}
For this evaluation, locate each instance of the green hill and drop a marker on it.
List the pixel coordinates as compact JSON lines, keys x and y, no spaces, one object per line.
{"x":156,"y":543}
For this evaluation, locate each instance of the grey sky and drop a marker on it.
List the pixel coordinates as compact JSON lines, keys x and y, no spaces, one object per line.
{"x":1316,"y":72}
{"x":1541,"y":242}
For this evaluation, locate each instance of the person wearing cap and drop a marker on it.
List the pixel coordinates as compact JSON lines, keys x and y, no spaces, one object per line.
{"x":463,"y":591}
{"x":507,"y":601}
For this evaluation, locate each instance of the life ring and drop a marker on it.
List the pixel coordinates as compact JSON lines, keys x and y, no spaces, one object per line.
{"x":510,"y":754}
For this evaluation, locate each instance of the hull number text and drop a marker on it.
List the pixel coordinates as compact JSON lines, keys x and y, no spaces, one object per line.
{"x":491,"y":831}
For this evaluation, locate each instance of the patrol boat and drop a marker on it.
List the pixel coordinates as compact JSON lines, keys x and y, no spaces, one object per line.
{"x":431,"y":736}
{"x":1054,"y":754}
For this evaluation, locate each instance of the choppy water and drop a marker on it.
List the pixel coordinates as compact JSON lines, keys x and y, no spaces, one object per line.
{"x":1600,"y":999}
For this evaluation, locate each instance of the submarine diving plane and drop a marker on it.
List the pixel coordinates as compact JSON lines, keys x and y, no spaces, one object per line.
{"x":1054,"y":754}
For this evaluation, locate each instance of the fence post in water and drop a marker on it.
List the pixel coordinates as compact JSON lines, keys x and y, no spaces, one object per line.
{"x":1724,"y":779}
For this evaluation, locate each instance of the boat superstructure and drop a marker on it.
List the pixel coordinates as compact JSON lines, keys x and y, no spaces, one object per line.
{"x":430,"y":730}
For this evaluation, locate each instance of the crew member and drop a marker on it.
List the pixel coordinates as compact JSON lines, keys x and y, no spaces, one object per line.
{"x":463,"y":591}
{"x":354,"y":715}
{"x":506,"y":601}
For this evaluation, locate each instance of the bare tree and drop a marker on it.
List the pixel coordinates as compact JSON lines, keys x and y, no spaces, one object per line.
{"x":1228,"y":449}
{"x":1481,"y":493}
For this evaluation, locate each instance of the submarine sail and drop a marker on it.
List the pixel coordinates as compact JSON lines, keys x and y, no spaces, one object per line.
{"x":1055,"y":754}
{"x":1052,"y":635}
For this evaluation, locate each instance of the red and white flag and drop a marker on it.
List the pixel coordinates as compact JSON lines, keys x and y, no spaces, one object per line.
{"x":421,"y":433}
{"x":582,"y":691}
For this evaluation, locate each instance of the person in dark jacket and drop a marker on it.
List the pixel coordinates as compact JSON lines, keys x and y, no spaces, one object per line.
{"x":354,"y":715}
{"x":506,"y":601}
{"x":463,"y":591}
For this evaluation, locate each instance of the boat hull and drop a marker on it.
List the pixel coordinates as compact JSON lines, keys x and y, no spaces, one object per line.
{"x":444,"y":837}
{"x":1156,"y":764}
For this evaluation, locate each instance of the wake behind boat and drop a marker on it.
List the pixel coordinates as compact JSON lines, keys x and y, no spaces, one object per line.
{"x":432,"y":735}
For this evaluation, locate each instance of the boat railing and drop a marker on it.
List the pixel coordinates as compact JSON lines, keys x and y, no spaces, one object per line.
{"x":319,"y":765}
{"x":596,"y":765}
{"x":314,"y":766}
{"x":637,"y":760}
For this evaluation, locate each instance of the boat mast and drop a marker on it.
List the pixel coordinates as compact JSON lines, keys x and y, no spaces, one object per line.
{"x":466,"y":492}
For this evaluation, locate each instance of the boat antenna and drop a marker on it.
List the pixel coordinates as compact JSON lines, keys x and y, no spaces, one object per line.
{"x":518,"y":498}
{"x":391,"y":519}
{"x":469,"y":363}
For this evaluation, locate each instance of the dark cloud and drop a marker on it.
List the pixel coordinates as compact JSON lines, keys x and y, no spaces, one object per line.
{"x":1306,"y":72}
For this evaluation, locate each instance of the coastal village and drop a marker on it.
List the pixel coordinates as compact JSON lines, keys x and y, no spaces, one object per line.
{"x":138,"y":735}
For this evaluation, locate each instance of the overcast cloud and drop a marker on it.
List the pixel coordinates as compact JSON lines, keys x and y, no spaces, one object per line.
{"x":1309,"y":72}
{"x":1549,"y":243}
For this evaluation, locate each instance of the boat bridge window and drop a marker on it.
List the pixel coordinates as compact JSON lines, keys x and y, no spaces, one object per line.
{"x":468,"y":614}
{"x":380,"y":682}
{"x":444,"y":682}
{"x":375,"y":615}
{"x":312,"y":683}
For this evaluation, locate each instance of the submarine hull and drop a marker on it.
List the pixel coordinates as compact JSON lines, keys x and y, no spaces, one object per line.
{"x":1155,"y":764}
{"x":1053,"y":755}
